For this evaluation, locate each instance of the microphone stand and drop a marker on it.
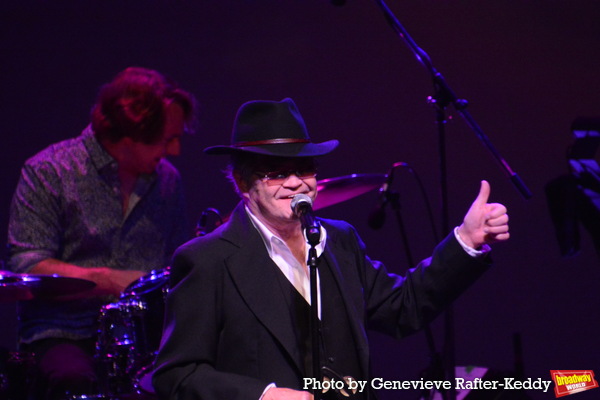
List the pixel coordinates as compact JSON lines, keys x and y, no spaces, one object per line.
{"x":313,"y":241}
{"x":443,"y":97}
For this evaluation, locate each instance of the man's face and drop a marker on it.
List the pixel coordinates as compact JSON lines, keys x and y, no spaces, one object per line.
{"x":269,"y":197}
{"x":143,"y":158}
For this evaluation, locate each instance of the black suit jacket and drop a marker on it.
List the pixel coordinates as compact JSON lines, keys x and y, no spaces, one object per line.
{"x":228,"y":329}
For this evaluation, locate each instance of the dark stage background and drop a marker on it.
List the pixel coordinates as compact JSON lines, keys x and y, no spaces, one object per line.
{"x":528,"y":68}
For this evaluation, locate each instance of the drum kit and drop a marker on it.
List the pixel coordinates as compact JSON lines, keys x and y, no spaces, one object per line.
{"x":129,"y":330}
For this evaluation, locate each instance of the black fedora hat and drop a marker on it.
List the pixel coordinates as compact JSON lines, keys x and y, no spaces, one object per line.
{"x":272,"y":128}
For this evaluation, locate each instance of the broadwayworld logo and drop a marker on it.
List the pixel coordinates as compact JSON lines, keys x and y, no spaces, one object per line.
{"x":572,"y":381}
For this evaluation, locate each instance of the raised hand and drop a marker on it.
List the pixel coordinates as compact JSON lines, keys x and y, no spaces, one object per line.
{"x":484,"y":223}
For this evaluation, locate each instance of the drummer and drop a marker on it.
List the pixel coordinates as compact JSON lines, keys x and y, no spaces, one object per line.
{"x":105,"y":206}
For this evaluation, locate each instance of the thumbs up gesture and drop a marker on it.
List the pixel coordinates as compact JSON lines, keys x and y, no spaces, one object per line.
{"x":484,"y":223}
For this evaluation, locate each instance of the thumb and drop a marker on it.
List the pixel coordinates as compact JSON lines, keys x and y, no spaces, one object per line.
{"x":484,"y":194}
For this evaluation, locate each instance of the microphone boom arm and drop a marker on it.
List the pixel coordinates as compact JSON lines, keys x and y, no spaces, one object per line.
{"x":444,"y":96}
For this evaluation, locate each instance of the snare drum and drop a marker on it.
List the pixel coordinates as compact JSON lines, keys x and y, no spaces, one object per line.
{"x":129,"y":334}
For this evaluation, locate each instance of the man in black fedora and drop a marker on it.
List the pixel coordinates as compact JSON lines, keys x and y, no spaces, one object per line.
{"x":237,"y":315}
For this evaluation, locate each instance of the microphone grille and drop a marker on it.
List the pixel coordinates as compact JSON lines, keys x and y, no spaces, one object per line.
{"x":299,"y":199}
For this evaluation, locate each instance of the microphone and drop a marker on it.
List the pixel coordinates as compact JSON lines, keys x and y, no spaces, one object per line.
{"x":377,"y":216}
{"x":302,"y":207}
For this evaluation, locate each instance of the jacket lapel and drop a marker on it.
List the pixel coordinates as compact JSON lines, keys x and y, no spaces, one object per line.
{"x":256,"y":278}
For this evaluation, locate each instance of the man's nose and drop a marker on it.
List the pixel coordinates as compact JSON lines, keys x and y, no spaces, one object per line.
{"x":292,"y":181}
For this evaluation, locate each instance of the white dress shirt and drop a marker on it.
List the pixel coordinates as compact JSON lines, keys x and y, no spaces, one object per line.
{"x":280,"y":253}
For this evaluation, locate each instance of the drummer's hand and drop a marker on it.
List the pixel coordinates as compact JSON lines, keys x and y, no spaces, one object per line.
{"x":109,"y":282}
{"x":112,"y":281}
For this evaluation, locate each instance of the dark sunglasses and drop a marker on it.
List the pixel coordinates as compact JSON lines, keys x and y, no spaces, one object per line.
{"x":278,"y":177}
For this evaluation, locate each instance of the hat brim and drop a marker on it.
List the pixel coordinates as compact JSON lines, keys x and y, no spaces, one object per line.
{"x":279,"y":150}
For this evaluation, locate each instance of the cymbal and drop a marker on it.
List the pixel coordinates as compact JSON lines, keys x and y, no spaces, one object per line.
{"x":336,"y":190}
{"x":17,"y":287}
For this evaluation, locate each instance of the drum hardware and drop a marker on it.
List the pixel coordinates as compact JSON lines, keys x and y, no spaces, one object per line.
{"x":115,"y":348}
{"x":129,"y":335}
{"x":143,"y":380}
{"x":202,"y":224}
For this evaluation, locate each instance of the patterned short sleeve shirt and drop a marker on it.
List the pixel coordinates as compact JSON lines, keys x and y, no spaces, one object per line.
{"x":68,"y":206}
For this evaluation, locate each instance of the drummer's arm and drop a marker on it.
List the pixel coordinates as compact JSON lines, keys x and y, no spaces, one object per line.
{"x":108,"y":281}
{"x":34,"y":235}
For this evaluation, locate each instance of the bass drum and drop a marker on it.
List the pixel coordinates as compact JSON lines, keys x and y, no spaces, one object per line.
{"x":129,"y":336}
